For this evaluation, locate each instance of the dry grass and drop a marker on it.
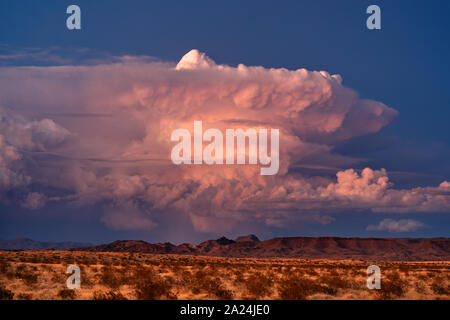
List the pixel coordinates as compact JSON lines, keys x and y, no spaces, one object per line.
{"x":26,"y":275}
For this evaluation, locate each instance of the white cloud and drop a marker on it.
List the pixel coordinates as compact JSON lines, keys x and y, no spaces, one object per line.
{"x":397,"y":226}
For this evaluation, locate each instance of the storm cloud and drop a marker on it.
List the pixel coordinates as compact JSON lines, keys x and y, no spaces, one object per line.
{"x":116,"y":150}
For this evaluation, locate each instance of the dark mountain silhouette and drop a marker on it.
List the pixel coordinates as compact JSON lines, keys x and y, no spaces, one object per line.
{"x":249,"y":238}
{"x":28,"y":244}
{"x":297,"y":247}
{"x":131,"y":246}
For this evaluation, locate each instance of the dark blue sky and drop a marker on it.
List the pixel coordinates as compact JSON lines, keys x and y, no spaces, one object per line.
{"x":405,"y":65}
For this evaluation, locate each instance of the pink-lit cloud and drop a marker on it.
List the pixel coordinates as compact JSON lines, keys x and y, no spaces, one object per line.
{"x":101,"y":133}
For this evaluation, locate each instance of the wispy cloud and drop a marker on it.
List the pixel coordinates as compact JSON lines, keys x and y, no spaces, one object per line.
{"x":397,"y":226}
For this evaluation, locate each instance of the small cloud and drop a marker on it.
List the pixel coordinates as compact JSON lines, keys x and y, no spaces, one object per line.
{"x":395,"y":226}
{"x":195,"y":60}
{"x":34,"y":200}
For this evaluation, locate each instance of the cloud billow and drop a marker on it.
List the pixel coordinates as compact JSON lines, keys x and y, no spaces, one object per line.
{"x":122,"y":160}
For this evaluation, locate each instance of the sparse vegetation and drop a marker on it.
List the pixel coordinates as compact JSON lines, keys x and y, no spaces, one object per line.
{"x":392,"y":286}
{"x":6,"y":294}
{"x":440,"y":286}
{"x":292,"y":288}
{"x":109,"y":295}
{"x":110,"y":278}
{"x":27,"y":274}
{"x":154,"y":288}
{"x":258,"y":286}
{"x":66,"y":294}
{"x":119,"y":276}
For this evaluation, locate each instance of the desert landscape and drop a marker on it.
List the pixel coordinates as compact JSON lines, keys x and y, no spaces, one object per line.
{"x":27,"y":275}
{"x":267,"y":151}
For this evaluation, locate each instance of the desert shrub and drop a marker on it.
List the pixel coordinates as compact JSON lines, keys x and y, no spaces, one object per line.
{"x":215,"y":287}
{"x":420,"y":287}
{"x":311,"y":272}
{"x":58,"y":277}
{"x":292,"y":288}
{"x":141,"y":274}
{"x":3,"y":266}
{"x":333,"y":272}
{"x":24,"y":296}
{"x":335,"y":282}
{"x":354,"y":272}
{"x":199,"y":275}
{"x":154,"y":289}
{"x":109,"y":295}
{"x":50,"y":259}
{"x":258,"y":285}
{"x":105,"y":262}
{"x":109,"y":278}
{"x":46,"y":268}
{"x":116,"y":263}
{"x":188,"y":280}
{"x":186,"y":276}
{"x":153,"y":263}
{"x":26,"y":274}
{"x":195,"y":290}
{"x":438,"y":287}
{"x":175,"y":268}
{"x":422,"y":277}
{"x":34,"y":259}
{"x":204,"y":281}
{"x":6,"y":294}
{"x":10,"y":275}
{"x":170,"y":280}
{"x":68,"y":260}
{"x":66,"y":294}
{"x":84,"y":261}
{"x":150,"y":286}
{"x":239,"y":277}
{"x":392,"y":286}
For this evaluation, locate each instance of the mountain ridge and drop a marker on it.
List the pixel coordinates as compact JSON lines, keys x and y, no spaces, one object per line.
{"x":29,"y":244}
{"x":334,"y":248}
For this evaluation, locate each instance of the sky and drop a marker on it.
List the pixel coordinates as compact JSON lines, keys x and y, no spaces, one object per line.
{"x":86,"y":117}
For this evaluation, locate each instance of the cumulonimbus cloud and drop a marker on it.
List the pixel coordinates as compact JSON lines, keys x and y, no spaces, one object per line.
{"x":101,"y":134}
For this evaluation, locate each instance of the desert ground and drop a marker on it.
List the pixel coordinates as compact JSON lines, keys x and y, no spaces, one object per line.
{"x":26,"y":275}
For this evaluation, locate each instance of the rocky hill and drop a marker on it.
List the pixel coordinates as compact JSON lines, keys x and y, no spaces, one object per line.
{"x":298,"y":247}
{"x":28,"y":244}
